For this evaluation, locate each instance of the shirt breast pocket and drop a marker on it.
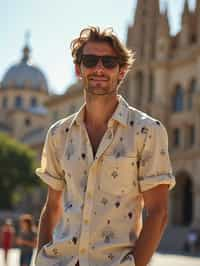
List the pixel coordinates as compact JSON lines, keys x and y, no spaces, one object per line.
{"x":118,"y":176}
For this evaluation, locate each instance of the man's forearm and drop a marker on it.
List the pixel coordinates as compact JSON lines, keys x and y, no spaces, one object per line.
{"x":25,"y":242}
{"x":150,"y":237}
{"x":48,"y":221}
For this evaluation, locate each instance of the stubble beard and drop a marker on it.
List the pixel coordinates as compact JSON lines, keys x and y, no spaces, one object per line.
{"x":100,"y":91}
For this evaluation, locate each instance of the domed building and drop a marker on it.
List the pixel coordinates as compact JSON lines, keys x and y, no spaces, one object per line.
{"x":25,"y":74}
{"x":23,"y":91}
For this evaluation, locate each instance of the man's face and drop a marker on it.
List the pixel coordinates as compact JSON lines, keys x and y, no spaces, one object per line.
{"x":99,"y":79}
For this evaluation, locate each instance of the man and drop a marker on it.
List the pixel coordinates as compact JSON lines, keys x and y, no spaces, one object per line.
{"x":111,"y":160}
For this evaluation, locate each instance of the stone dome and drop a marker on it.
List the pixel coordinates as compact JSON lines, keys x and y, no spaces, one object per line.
{"x":24,"y":74}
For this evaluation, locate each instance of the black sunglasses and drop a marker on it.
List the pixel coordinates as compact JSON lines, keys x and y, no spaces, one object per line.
{"x":108,"y":61}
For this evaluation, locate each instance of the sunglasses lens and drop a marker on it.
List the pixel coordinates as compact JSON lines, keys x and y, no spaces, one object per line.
{"x":90,"y":60}
{"x":110,"y":61}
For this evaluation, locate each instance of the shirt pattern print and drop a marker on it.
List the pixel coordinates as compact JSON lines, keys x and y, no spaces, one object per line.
{"x":103,"y":201}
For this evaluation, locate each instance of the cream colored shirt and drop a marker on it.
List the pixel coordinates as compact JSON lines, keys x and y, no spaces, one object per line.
{"x":103,"y":201}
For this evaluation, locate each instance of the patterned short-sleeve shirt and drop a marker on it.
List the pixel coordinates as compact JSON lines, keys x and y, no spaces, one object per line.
{"x":103,"y":202}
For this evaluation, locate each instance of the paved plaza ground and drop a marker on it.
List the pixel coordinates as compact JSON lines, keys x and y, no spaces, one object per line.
{"x":158,"y":259}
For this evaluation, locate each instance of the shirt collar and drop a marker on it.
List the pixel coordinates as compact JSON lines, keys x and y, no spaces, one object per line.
{"x":79,"y":116}
{"x":120,"y":114}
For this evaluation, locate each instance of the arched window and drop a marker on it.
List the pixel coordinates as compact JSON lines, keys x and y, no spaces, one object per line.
{"x":182,"y":204}
{"x":192,"y":89}
{"x":27,"y":122}
{"x":178,"y":99}
{"x":5,"y":102}
{"x":33,"y":102}
{"x":189,"y":136}
{"x":139,"y":88}
{"x":192,"y":135}
{"x":18,"y":102}
{"x":193,"y":38}
{"x":176,"y":137}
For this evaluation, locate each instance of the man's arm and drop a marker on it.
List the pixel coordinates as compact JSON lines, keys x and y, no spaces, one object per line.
{"x":28,"y":243}
{"x":50,"y":216}
{"x":156,"y":204}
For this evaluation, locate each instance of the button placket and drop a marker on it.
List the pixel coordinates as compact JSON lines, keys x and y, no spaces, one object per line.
{"x":89,"y":146}
{"x":106,"y":141}
{"x":82,"y":250}
{"x":87,"y":212}
{"x":89,"y":195}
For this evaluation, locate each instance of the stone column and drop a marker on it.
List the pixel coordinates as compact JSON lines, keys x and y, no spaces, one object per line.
{"x":131,"y":88}
{"x":161,"y":97}
{"x":197,"y":104}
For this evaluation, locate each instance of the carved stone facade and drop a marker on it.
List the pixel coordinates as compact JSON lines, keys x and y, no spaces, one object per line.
{"x":165,"y":82}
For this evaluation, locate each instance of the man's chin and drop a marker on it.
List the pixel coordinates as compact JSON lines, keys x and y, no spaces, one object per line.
{"x":97,"y":91}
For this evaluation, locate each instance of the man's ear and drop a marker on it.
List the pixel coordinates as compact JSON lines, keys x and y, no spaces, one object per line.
{"x":78,"y":71}
{"x":122,"y":72}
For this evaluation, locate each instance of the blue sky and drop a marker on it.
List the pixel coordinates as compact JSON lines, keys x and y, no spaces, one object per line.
{"x":53,"y":24}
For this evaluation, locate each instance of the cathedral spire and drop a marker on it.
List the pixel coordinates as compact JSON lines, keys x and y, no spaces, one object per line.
{"x":26,"y":49}
{"x":145,"y":8}
{"x":198,"y":5}
{"x":165,"y":8}
{"x":185,"y":32}
{"x":166,"y":13}
{"x":186,"y":11}
{"x":164,"y":23}
{"x":197,"y":11}
{"x":142,"y":35}
{"x":163,"y":36}
{"x":140,"y":9}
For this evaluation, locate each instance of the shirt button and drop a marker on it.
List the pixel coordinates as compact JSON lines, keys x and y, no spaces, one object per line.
{"x":86,"y":221}
{"x":89,"y":195}
{"x":110,"y":135}
{"x":82,"y":250}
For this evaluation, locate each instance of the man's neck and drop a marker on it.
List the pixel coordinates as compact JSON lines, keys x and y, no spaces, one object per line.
{"x":99,"y":109}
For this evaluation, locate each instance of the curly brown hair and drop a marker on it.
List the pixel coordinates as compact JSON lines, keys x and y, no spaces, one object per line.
{"x":94,"y":34}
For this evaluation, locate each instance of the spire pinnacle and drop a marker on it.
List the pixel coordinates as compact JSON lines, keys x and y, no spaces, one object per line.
{"x":26,"y":49}
{"x":165,"y":9}
{"x":186,"y":8}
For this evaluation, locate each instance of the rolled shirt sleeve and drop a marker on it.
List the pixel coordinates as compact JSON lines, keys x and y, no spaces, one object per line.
{"x":50,"y":171}
{"x":154,"y":164}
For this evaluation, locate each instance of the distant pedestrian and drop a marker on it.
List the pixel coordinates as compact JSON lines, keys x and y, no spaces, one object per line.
{"x":7,"y":238}
{"x":191,"y":242}
{"x":26,"y":239}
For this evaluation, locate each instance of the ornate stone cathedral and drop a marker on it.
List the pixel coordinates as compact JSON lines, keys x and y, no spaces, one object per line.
{"x":164,"y":82}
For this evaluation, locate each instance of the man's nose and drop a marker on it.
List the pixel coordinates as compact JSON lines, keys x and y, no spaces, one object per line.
{"x":99,"y":66}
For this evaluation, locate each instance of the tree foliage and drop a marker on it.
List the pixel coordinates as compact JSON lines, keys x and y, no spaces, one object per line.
{"x":17,"y":164}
